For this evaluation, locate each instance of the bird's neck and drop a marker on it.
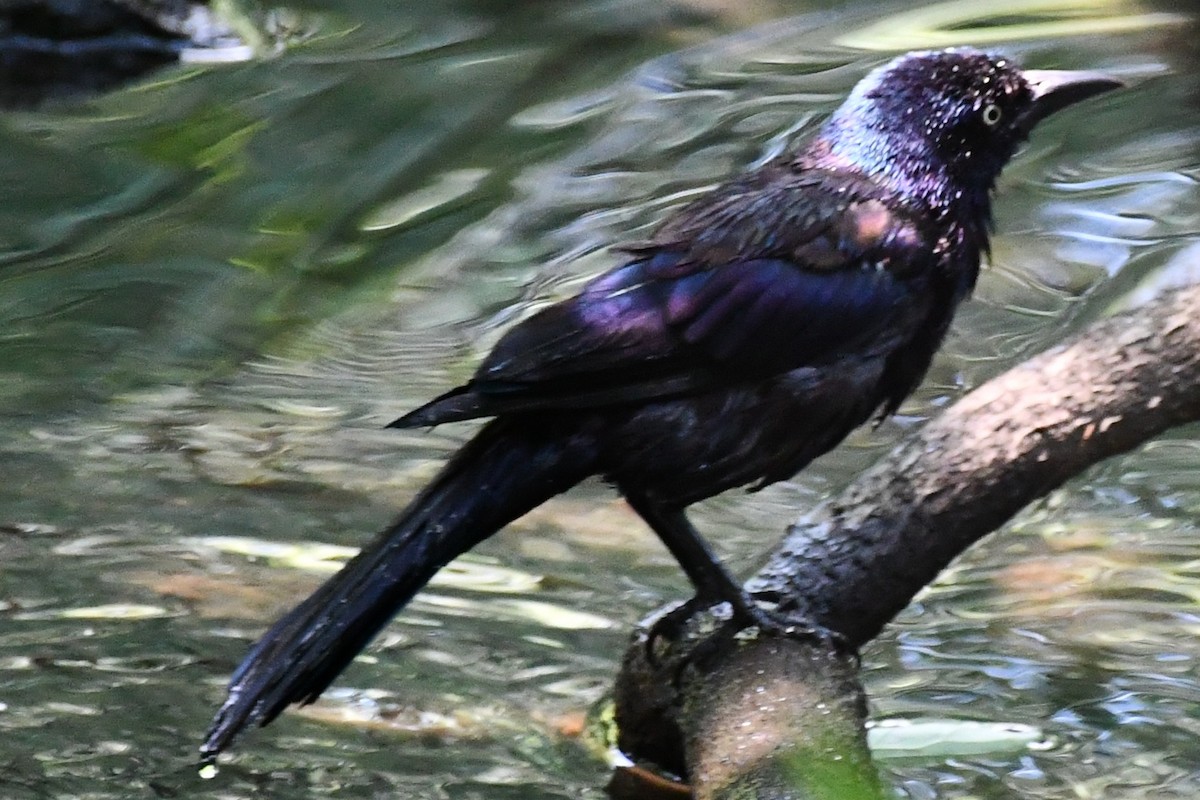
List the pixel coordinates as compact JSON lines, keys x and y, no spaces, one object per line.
{"x":910,"y":176}
{"x":905,"y":166}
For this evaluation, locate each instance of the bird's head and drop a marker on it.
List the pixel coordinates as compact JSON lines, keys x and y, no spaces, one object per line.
{"x":943,"y":124}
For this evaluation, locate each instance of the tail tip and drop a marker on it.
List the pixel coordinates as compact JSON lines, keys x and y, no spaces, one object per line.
{"x":454,"y":406}
{"x":219,"y":737}
{"x":410,"y":420}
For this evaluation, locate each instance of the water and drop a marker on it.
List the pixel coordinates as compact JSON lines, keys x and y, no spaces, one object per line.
{"x":217,"y":285}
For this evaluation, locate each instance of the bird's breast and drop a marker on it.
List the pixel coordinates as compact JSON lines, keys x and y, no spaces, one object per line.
{"x":686,"y":449}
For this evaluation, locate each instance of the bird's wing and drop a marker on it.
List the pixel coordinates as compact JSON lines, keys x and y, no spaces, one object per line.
{"x":750,"y":282}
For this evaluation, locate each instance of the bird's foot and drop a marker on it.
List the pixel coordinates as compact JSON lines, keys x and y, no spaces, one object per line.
{"x":793,"y":626}
{"x":775,"y":622}
{"x":745,"y":614}
{"x":670,"y":625}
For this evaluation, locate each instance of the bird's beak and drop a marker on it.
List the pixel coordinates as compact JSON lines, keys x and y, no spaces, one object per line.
{"x":1055,"y":89}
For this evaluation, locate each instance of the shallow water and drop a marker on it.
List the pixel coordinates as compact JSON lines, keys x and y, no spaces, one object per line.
{"x":217,"y":285}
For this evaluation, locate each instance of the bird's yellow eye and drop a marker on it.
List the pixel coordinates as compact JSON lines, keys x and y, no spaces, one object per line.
{"x":991,"y":114}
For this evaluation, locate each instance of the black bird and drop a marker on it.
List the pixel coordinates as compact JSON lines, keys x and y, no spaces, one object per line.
{"x":759,"y":325}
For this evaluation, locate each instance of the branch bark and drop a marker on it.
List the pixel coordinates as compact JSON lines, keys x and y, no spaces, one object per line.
{"x":859,"y":559}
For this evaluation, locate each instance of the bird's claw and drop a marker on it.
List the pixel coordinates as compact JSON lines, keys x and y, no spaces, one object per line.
{"x":669,"y":625}
{"x":775,"y":622}
{"x":746,"y":614}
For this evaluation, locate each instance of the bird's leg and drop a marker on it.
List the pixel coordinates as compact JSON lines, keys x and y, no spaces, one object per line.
{"x":712,"y":581}
{"x":709,"y":577}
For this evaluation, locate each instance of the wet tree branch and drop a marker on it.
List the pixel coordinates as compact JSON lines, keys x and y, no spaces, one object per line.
{"x":855,"y":562}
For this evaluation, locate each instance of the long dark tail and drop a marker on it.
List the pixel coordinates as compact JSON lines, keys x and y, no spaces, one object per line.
{"x":510,"y":467}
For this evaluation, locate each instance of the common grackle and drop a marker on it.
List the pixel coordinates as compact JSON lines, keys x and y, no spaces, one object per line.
{"x":758,"y":326}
